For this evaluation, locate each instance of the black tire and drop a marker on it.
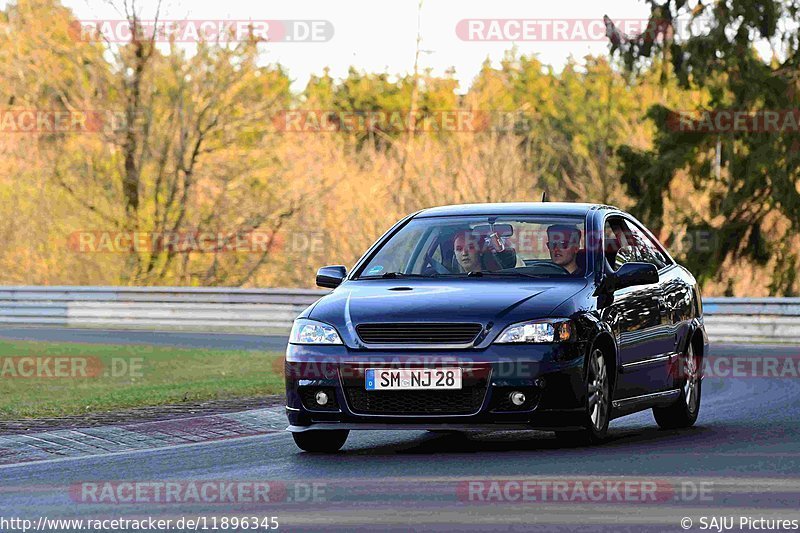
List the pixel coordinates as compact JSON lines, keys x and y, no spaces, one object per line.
{"x":321,"y":440}
{"x":597,"y":390}
{"x":683,"y":413}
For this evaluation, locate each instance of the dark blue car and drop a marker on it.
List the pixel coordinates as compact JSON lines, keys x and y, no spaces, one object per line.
{"x":553,"y":316}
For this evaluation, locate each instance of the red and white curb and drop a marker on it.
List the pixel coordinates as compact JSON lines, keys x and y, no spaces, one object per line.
{"x":102,"y":440}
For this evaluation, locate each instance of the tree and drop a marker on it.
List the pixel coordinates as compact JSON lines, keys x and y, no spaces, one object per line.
{"x":748,"y":176}
{"x":188,"y":151}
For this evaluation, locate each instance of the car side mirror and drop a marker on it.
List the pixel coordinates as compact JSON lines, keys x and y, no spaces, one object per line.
{"x":331,"y":277}
{"x":632,"y":274}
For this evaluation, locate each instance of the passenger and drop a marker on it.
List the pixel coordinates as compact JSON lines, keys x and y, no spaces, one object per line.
{"x":466,"y":247}
{"x":564,"y":241}
{"x":477,"y":253}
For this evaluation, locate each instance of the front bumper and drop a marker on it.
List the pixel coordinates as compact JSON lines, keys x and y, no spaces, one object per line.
{"x":550,"y":375}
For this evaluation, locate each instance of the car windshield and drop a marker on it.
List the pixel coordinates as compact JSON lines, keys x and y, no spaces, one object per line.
{"x":483,"y":246}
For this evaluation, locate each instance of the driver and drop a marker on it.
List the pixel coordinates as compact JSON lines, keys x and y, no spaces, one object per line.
{"x":467,"y":251}
{"x":563,"y":242}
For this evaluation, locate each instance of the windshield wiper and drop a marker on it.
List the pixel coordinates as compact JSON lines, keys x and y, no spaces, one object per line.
{"x":395,"y":275}
{"x":507,"y":273}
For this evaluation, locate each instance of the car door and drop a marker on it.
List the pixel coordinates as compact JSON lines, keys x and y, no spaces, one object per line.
{"x":675,"y":297}
{"x":637,"y":317}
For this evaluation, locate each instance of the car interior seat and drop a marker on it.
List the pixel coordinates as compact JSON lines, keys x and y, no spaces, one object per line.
{"x":580,"y":259}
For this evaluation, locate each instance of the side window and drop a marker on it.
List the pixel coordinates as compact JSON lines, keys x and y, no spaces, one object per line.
{"x":616,"y":247}
{"x":644,"y":247}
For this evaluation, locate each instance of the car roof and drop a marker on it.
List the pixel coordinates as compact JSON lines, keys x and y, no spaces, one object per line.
{"x":517,"y":208}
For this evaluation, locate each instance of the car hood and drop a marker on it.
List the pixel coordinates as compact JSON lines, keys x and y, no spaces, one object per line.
{"x":496,"y":301}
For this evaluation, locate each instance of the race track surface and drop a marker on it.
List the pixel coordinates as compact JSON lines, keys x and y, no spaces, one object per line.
{"x":742,"y":459}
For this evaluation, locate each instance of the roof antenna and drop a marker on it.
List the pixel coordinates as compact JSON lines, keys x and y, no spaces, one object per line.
{"x":544,"y":197}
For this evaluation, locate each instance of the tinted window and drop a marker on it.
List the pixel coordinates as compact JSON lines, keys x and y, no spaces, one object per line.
{"x":618,"y":250}
{"x":541,"y":246}
{"x":646,"y":249}
{"x":625,"y":243}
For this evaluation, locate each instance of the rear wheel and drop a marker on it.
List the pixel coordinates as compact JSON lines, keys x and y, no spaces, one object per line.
{"x":683,"y":413}
{"x":321,"y":441}
{"x":598,"y":404}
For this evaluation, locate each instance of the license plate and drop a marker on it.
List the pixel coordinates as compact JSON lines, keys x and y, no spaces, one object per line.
{"x":413,"y":378}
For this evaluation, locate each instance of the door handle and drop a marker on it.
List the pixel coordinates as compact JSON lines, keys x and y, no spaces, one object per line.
{"x":662,"y":305}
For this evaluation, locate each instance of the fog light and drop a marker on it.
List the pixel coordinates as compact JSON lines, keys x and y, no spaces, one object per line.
{"x":517,"y":398}
{"x":322,"y":398}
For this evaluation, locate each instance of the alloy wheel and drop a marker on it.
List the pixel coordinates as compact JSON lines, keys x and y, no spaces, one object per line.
{"x":691,"y":384}
{"x":598,"y":390}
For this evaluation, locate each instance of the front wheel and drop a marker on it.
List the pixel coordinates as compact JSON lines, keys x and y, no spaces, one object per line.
{"x":320,"y":440}
{"x":683,"y":413}
{"x":598,"y":404}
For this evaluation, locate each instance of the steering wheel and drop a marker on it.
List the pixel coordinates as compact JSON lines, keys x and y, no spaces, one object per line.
{"x":547,"y":265}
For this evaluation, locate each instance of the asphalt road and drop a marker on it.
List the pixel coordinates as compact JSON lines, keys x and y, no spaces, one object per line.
{"x":742,"y":459}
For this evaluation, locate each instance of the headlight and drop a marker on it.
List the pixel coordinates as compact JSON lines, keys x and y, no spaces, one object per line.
{"x":538,"y":331}
{"x":306,"y":331}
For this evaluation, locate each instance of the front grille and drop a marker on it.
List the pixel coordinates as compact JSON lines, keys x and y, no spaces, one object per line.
{"x":418,"y":333}
{"x":416,"y":402}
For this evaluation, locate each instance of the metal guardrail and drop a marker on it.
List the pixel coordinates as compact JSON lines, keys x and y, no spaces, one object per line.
{"x":752,"y":306}
{"x":190,"y":308}
{"x":753,"y":319}
{"x":272,"y":310}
